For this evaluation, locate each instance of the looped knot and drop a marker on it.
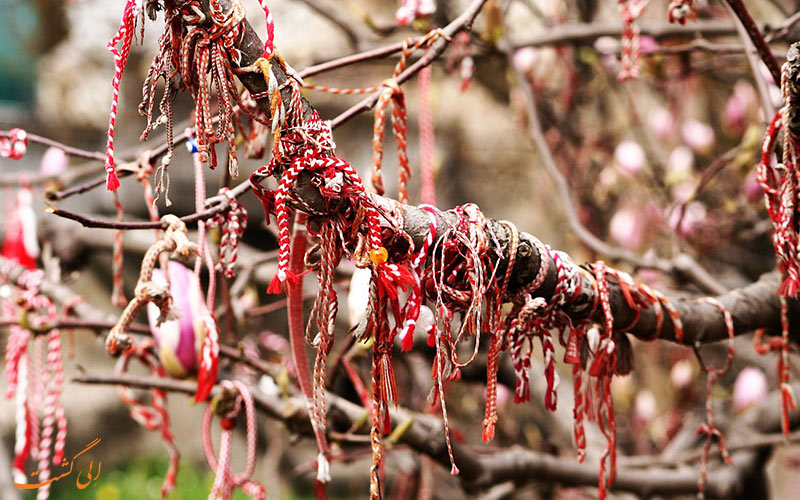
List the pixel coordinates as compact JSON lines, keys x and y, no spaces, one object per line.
{"x":145,"y":168}
{"x":232,"y":221}
{"x":15,"y":145}
{"x":177,"y":236}
{"x":680,"y":11}
{"x":391,"y":85}
{"x":228,"y":405}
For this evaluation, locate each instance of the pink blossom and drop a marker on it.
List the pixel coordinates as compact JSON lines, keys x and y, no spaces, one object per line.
{"x":177,"y":342}
{"x":682,"y":374}
{"x":697,"y":135}
{"x":645,"y":408}
{"x":749,"y":389}
{"x":679,"y":164}
{"x":679,"y":173}
{"x":54,"y":162}
{"x":525,"y":59}
{"x":743,"y":98}
{"x":693,"y":218}
{"x":661,"y":122}
{"x":629,"y":158}
{"x":683,"y":191}
{"x":410,"y":10}
{"x":606,"y":45}
{"x":504,"y":395}
{"x":627,"y":228}
{"x":648,"y":44}
{"x":752,"y":188}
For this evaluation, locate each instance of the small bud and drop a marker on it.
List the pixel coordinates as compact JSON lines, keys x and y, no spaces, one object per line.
{"x":54,"y":162}
{"x":177,"y":340}
{"x":682,"y":374}
{"x":698,"y":135}
{"x":749,"y":389}
{"x":629,"y":158}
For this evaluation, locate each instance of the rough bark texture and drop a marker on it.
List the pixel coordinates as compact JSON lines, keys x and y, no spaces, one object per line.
{"x":754,"y":306}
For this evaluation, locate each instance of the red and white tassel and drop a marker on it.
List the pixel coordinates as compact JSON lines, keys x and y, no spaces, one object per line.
{"x":209,"y":356}
{"x":269,"y":44}
{"x":125,"y":34}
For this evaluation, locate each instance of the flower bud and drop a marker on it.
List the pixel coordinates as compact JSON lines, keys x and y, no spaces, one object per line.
{"x":627,"y":228}
{"x":629,"y":158}
{"x":54,"y":162}
{"x":749,"y":389}
{"x":178,"y":341}
{"x":698,"y":135}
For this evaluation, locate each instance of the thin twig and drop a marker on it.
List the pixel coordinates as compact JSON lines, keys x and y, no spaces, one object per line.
{"x":70,"y":150}
{"x":753,"y":31}
{"x":220,"y":204}
{"x":685,"y":265}
{"x":461,"y":23}
{"x":749,"y":39}
{"x":333,"y":16}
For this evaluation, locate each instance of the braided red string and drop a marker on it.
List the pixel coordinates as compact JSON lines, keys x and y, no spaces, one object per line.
{"x":709,"y":429}
{"x":125,"y":35}
{"x":630,"y":11}
{"x":225,"y":480}
{"x":323,"y":316}
{"x":602,"y":370}
{"x":118,"y":289}
{"x":232,"y":222}
{"x":269,"y":43}
{"x":411,"y":310}
{"x":427,"y":139}
{"x":494,"y":323}
{"x":153,"y":416}
{"x":36,"y":387}
{"x":15,"y":145}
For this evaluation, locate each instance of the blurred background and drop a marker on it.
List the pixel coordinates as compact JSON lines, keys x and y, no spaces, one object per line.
{"x":660,"y":165}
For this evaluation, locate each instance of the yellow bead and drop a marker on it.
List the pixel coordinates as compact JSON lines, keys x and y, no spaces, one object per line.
{"x":378,"y":255}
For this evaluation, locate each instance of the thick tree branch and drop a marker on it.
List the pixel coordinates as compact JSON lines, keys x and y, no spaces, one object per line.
{"x":424,"y":434}
{"x":755,"y":306}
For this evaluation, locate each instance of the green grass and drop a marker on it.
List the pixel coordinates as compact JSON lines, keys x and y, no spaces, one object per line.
{"x":139,"y":479}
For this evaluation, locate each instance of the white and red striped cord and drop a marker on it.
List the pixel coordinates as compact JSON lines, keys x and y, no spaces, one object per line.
{"x":153,"y":416}
{"x":15,"y":145}
{"x":269,"y":43}
{"x":411,"y":309}
{"x":680,"y":11}
{"x":125,"y":35}
{"x":225,"y":480}
{"x":36,"y":387}
{"x":709,"y":429}
{"x":427,"y":138}
{"x":630,"y":11}
{"x":232,"y":223}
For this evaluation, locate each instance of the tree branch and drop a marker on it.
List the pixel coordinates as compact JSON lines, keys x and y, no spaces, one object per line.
{"x":424,"y":434}
{"x":754,"y":306}
{"x":761,"y":45}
